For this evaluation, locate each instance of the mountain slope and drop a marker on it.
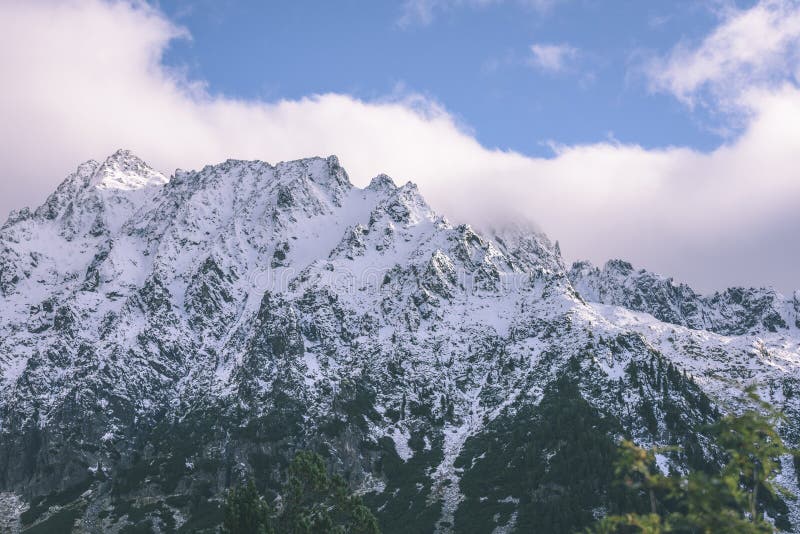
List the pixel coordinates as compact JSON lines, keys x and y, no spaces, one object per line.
{"x":161,"y":339}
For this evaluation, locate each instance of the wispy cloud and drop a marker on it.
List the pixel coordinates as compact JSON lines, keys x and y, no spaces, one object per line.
{"x":658,"y":21}
{"x":423,"y":12}
{"x":753,"y":48}
{"x":552,"y":58}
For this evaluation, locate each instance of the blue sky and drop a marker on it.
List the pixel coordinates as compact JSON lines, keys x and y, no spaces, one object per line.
{"x":475,"y":60}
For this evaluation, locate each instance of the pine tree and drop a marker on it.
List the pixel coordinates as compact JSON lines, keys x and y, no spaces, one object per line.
{"x":246,"y":512}
{"x":315,"y":502}
{"x":699,"y":502}
{"x":754,"y":448}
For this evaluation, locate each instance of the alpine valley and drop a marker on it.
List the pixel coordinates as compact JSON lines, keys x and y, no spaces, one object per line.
{"x":162,"y":338}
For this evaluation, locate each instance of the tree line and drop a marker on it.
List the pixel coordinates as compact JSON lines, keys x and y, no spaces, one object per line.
{"x":312,"y":501}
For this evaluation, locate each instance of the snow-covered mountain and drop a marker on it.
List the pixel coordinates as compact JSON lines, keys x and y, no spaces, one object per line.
{"x":162,"y":338}
{"x":735,"y":311}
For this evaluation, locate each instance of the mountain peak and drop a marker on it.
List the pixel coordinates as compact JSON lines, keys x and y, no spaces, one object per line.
{"x":124,"y":170}
{"x":382,"y":182}
{"x":527,"y":245}
{"x":621,"y":266}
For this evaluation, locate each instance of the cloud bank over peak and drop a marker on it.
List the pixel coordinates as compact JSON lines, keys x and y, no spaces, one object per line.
{"x":86,"y":77}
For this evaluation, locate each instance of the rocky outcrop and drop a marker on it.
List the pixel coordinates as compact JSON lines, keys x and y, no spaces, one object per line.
{"x":734,"y":311}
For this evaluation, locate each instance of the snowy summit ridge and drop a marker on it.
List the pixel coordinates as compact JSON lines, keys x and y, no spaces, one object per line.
{"x":124,"y":170}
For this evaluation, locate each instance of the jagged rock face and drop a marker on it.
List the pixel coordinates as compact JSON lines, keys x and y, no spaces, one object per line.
{"x":734,"y":311}
{"x":162,"y":338}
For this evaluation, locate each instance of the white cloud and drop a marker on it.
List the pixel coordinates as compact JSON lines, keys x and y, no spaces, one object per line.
{"x":423,"y":12}
{"x":84,"y":77}
{"x":759,"y":46}
{"x":552,"y":57}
